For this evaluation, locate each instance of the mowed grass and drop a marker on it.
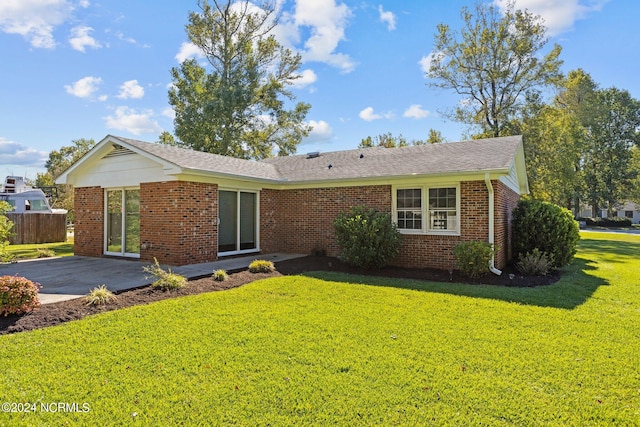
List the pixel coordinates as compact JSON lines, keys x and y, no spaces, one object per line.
{"x":30,"y":251}
{"x":349,"y":350}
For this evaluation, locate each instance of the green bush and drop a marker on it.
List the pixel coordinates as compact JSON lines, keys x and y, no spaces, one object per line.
{"x":473,"y":257}
{"x":45,"y":253}
{"x":220,"y":275}
{"x":18,"y":295}
{"x":535,"y":263}
{"x":261,"y":266}
{"x":100,"y":296}
{"x":367,"y":238}
{"x":608,"y":222}
{"x":546,"y":227}
{"x":165,"y":280}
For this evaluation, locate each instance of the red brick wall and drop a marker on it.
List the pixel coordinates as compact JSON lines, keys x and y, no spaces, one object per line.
{"x":436,"y":251}
{"x":506,"y":201}
{"x":88,"y":209}
{"x":300,"y":221}
{"x":178,"y":222}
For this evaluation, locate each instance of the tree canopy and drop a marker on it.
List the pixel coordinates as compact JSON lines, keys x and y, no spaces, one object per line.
{"x":59,"y":161}
{"x":240,"y":108}
{"x":493,"y":62}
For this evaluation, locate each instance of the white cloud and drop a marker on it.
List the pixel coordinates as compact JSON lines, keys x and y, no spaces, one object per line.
{"x":84,"y":87}
{"x":169,"y":113}
{"x":320,"y":132}
{"x":131,"y":89}
{"x":16,"y":154}
{"x":388,"y":17}
{"x":80,"y":39}
{"x":34,"y":20}
{"x":415,"y":111}
{"x":326,"y":22}
{"x":188,"y":50}
{"x":559,"y":16}
{"x":425,"y":61}
{"x":130,"y":120}
{"x":368,"y":115}
{"x":307,"y":77}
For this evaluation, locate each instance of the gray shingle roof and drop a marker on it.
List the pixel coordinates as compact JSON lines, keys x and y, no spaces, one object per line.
{"x":492,"y":154}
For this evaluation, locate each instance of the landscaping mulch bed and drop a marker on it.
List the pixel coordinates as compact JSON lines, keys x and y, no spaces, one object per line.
{"x":60,"y":312}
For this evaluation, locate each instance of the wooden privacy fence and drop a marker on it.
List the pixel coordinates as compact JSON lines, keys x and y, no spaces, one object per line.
{"x":38,"y":227}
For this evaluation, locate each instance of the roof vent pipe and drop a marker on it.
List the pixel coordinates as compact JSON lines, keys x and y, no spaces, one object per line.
{"x":487,"y":181}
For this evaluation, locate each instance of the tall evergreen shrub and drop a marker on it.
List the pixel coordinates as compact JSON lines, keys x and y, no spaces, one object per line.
{"x":547,"y":227}
{"x":367,"y":238}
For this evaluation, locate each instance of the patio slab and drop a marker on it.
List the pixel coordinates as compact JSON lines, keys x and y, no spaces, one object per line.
{"x":64,"y":278}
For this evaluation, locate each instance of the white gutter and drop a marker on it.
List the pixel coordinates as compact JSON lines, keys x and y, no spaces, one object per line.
{"x":487,"y":181}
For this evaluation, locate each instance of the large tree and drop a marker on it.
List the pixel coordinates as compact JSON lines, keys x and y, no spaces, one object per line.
{"x":241,"y":107}
{"x":59,"y":161}
{"x":493,"y":62}
{"x":614,"y":130}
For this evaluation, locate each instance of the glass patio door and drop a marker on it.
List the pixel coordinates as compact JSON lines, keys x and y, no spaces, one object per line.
{"x":237,"y":225}
{"x":122,"y":234}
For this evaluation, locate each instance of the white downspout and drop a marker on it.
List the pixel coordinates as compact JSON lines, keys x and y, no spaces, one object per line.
{"x":487,"y":181}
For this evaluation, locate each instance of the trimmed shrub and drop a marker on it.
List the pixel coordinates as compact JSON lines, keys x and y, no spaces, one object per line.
{"x":473,"y":257}
{"x":546,"y":227}
{"x":165,"y":280}
{"x":18,"y":295}
{"x":367,"y":238}
{"x":220,"y":275}
{"x":261,"y":266}
{"x":45,"y":253}
{"x":615,"y":221}
{"x":535,"y":263}
{"x":100,"y":296}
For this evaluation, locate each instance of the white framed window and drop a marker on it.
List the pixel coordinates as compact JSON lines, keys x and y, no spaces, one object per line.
{"x":427,"y":209}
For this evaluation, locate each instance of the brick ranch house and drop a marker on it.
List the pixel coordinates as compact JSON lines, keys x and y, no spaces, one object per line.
{"x":144,"y":200}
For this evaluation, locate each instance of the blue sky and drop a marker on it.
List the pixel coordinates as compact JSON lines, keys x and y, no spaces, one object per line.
{"x":87,"y":68}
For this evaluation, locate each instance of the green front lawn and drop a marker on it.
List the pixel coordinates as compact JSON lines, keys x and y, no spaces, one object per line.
{"x":349,"y":350}
{"x":30,"y":251}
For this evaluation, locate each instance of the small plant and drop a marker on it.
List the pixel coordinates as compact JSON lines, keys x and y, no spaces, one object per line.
{"x":18,"y":295}
{"x":220,"y":275}
{"x":367,"y":238}
{"x":261,"y":266}
{"x":45,"y":253}
{"x":165,"y":280}
{"x":100,"y":296}
{"x":5,"y":255}
{"x":473,"y":257}
{"x":535,"y":263}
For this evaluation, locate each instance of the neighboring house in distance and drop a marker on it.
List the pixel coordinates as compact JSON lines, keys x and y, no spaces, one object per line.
{"x":627,"y":210}
{"x":146,"y":200}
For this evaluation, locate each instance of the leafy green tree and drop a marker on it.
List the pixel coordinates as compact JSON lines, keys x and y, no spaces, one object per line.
{"x":59,"y":161}
{"x":167,"y":138}
{"x":435,"y":137}
{"x":239,"y":108}
{"x":386,"y":140}
{"x":6,"y":225}
{"x":493,"y":63}
{"x":613,"y":132}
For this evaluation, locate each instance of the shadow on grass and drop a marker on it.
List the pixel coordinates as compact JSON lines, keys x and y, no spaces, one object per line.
{"x":574,"y":288}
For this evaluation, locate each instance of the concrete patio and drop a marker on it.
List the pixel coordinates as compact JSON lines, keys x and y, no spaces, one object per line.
{"x":64,"y":278}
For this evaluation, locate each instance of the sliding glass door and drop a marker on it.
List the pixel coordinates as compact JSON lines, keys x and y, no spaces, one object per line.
{"x":238,"y":224}
{"x":122,"y":217}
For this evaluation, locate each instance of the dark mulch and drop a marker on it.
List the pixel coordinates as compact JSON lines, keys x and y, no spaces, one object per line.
{"x":56,"y":313}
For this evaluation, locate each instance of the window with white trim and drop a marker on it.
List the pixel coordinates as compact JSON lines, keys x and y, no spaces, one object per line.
{"x":428,"y":209}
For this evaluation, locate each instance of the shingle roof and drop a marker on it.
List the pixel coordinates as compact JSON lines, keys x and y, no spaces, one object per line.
{"x":492,"y":154}
{"x":206,"y":162}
